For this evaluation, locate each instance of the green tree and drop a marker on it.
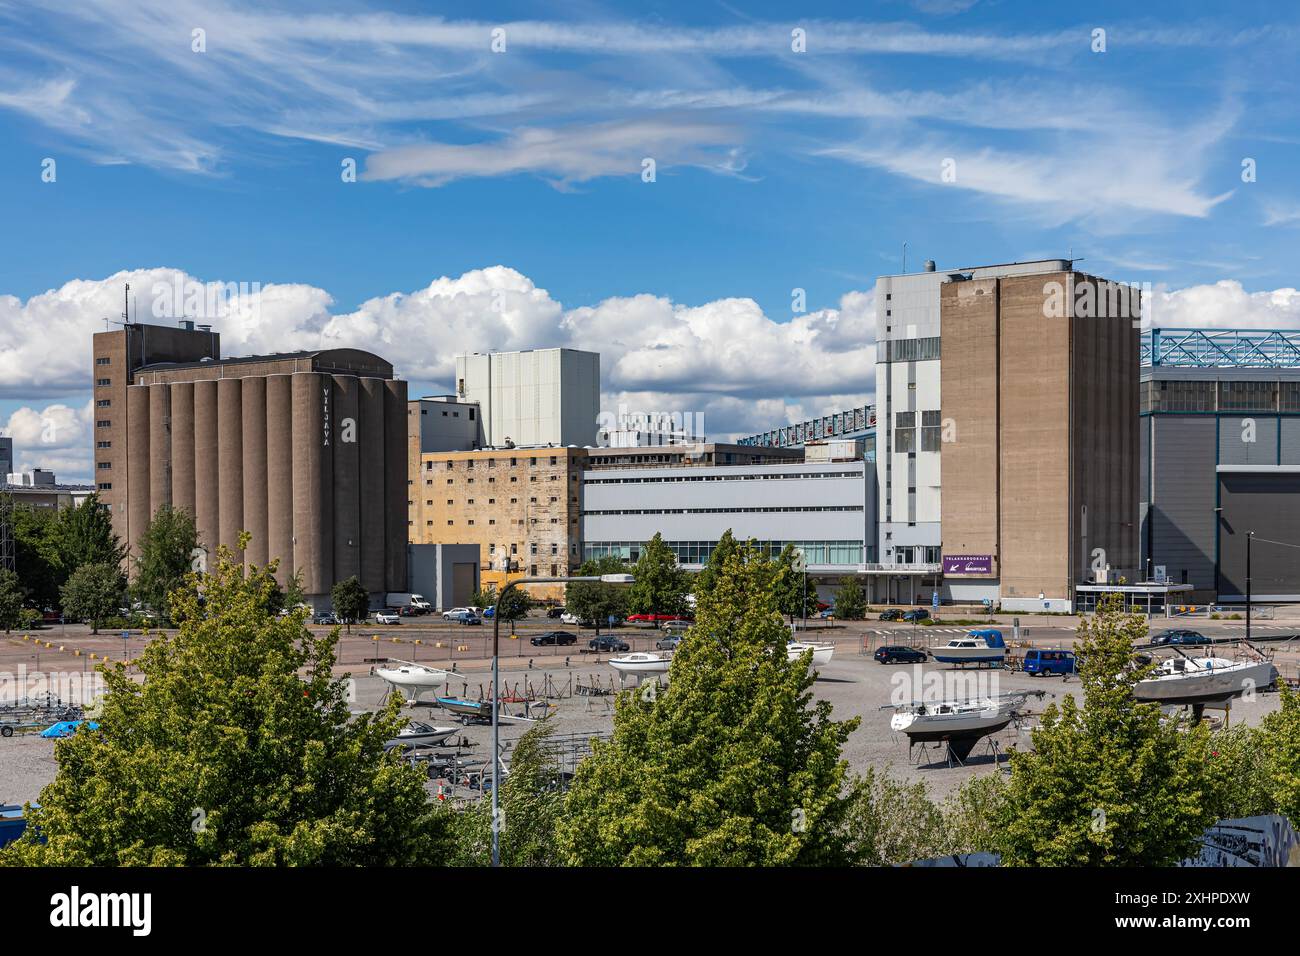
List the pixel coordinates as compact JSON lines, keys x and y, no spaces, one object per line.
{"x":1111,"y":783}
{"x":726,"y":548}
{"x":970,"y":815}
{"x":891,"y":822}
{"x":598,"y":602}
{"x":531,"y":805}
{"x":84,"y":535}
{"x":94,"y":592}
{"x":351,"y":601}
{"x":661,"y":585}
{"x":795,"y":596}
{"x":237,"y":749}
{"x":11,"y":600}
{"x":166,"y":555}
{"x":37,"y":556}
{"x":515,"y":606}
{"x":850,"y":599}
{"x":1279,"y":745}
{"x":731,"y":764}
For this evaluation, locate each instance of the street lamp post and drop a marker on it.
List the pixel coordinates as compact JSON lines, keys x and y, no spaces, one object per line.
{"x":496,"y":682}
{"x":1249,"y":536}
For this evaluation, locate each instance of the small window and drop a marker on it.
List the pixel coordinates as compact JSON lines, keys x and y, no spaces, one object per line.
{"x":105,"y":486}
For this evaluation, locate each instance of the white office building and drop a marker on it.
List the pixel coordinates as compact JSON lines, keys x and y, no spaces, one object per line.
{"x":534,"y":397}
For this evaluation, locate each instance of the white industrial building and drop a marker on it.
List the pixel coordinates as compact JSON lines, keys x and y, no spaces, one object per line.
{"x":827,"y":508}
{"x":532,"y":398}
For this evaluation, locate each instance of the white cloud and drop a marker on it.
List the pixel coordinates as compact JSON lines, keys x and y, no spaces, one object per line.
{"x":56,"y":438}
{"x":1226,"y":305}
{"x":741,"y":368}
{"x":572,"y":154}
{"x":725,"y":358}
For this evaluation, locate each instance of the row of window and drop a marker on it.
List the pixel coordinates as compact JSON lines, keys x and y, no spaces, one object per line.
{"x":491,"y":463}
{"x":1212,"y":396}
{"x":738,"y":477}
{"x":783,"y":509}
{"x":840,"y":553}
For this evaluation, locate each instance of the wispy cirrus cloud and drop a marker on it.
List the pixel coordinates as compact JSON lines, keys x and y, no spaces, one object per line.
{"x":184,"y":85}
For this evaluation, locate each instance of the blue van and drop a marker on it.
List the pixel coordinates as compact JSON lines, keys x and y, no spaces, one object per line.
{"x":1049,"y":662}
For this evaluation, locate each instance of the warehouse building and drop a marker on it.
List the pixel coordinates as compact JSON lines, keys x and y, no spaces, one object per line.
{"x":1220,"y":458}
{"x":306,"y":451}
{"x":519,"y":506}
{"x":826,"y":508}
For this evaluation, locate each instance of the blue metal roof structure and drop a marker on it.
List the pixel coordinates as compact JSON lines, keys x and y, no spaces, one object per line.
{"x":853,"y":423}
{"x":1220,"y":348}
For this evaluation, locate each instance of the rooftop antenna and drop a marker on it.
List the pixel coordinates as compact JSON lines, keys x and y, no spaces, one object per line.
{"x":904,"y":258}
{"x":126,"y":305}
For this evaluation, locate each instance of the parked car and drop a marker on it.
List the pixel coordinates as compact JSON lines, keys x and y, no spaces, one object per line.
{"x":387,"y":617}
{"x":489,"y":613}
{"x":916,"y":615}
{"x":827,"y":615}
{"x":1179,"y":635}
{"x":606,"y":643}
{"x":654,"y":619}
{"x":326,"y":617}
{"x":676,"y":627}
{"x":891,"y":614}
{"x":455,"y":613}
{"x":900,"y":654}
{"x":557,"y":638}
{"x":555,"y":613}
{"x":570,"y":618}
{"x":463,"y":616}
{"x":668,"y":643}
{"x":1040,"y":662}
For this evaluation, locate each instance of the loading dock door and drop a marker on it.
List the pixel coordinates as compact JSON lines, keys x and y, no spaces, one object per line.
{"x":464,"y":582}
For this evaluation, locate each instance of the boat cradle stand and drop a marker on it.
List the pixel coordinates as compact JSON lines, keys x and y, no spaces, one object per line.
{"x":954,"y":750}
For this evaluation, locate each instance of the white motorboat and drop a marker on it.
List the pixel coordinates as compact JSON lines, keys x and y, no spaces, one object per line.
{"x":977,"y":647}
{"x":419,"y":734}
{"x":1200,"y":680}
{"x":641,"y":663}
{"x":411,"y":679}
{"x":821,"y":653}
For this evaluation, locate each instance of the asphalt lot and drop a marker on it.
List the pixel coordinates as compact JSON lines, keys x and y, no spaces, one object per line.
{"x":854,"y":684}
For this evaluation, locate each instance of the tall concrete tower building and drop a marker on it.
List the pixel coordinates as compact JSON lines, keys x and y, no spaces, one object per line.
{"x":306,"y":451}
{"x":1006,"y":450}
{"x":534,"y":397}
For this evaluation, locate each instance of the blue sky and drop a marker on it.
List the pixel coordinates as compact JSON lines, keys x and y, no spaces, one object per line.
{"x":775,"y":170}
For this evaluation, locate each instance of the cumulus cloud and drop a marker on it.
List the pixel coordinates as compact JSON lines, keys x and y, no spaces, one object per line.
{"x":1226,"y":305}
{"x":726,"y":358}
{"x":56,"y":437}
{"x":742,"y":369}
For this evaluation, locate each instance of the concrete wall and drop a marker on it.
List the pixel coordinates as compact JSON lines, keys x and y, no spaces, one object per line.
{"x":536,"y":397}
{"x":446,"y":574}
{"x":971,"y":502}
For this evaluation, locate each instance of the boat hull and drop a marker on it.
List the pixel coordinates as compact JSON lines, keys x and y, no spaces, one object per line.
{"x":929,"y":727}
{"x":628,"y":665}
{"x":969,"y":655}
{"x":821,"y":653}
{"x":1206,"y":686}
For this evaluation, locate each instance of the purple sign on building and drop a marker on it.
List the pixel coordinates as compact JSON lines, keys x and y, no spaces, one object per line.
{"x":967,"y":564}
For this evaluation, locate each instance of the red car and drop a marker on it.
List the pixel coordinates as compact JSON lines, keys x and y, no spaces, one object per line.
{"x":656,"y":619}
